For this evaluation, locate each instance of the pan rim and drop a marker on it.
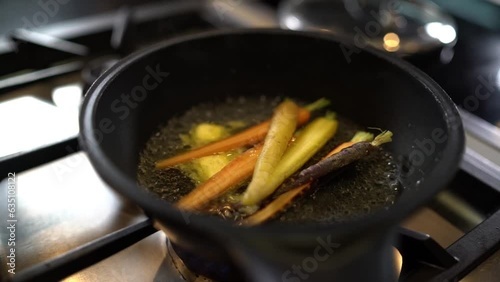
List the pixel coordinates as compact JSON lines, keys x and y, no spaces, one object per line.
{"x":118,"y":180}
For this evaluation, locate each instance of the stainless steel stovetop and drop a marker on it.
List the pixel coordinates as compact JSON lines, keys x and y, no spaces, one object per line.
{"x":63,"y":207}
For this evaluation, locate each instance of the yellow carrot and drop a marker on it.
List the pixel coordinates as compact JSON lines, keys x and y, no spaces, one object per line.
{"x":282,"y":127}
{"x":312,"y":138}
{"x":247,"y":137}
{"x":287,"y":197}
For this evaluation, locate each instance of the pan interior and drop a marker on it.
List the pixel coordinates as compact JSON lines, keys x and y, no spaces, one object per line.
{"x":361,"y":188}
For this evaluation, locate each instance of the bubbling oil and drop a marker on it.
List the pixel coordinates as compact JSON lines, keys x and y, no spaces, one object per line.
{"x":361,"y":188}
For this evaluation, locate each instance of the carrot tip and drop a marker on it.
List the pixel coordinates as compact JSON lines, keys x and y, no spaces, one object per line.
{"x":382,"y":138}
{"x":362,"y":136}
{"x":318,"y":104}
{"x":331,"y":115}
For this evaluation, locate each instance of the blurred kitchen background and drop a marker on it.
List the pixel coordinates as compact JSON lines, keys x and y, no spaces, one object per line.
{"x":52,"y":50}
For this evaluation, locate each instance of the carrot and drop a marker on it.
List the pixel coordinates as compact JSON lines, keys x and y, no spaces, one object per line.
{"x":358,"y":137}
{"x":287,"y":196}
{"x":247,"y":137}
{"x":312,"y":138}
{"x":344,"y":157}
{"x":275,"y":206}
{"x":227,"y":178}
{"x":283,"y":125}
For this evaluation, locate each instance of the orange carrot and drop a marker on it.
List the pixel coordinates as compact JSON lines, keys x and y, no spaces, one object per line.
{"x":229,"y":177}
{"x":275,"y":206}
{"x":340,"y":148}
{"x":358,"y":137}
{"x":247,"y":137}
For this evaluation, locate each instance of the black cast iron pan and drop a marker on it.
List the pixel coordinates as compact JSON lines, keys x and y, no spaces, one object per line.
{"x":126,"y":105}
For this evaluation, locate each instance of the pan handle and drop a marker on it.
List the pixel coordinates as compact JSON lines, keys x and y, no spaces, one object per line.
{"x":369,"y":258}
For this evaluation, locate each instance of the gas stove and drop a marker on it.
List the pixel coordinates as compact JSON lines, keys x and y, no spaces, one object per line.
{"x":66,"y":224}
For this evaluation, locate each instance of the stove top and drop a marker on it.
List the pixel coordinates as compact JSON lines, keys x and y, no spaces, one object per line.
{"x":69,"y":225}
